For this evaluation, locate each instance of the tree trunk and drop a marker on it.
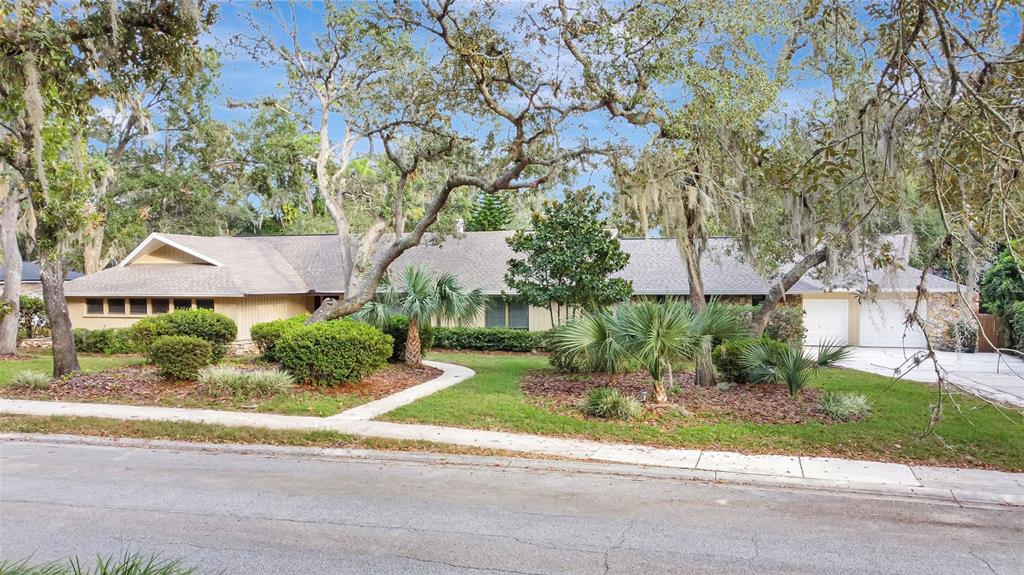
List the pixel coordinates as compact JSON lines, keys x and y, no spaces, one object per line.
{"x":92,"y":249}
{"x":703,"y":368}
{"x":65,"y":358}
{"x":12,"y":267}
{"x":413,"y":352}
{"x":779,"y":289}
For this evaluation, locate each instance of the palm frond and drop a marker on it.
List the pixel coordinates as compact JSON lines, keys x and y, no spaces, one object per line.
{"x":831,"y":352}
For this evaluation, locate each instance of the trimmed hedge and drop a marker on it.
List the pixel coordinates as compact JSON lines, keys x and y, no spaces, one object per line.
{"x":786,"y":323}
{"x":488,"y":339}
{"x":332,"y":352}
{"x":216,"y":328}
{"x":266,"y":335}
{"x":108,"y":341}
{"x":398,"y":329}
{"x":180,"y":356}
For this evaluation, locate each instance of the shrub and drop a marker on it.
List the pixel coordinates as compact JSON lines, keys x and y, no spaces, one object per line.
{"x":609,"y":403}
{"x":108,"y":341}
{"x":726,"y":359}
{"x":216,"y":328}
{"x":30,"y":380}
{"x":332,"y":352}
{"x":770,"y":361}
{"x":217,"y":380}
{"x":562,"y":358}
{"x":487,"y":339}
{"x":266,"y":335}
{"x":1014,"y":317}
{"x":844,"y":406}
{"x":786,"y":323}
{"x":180,"y":356}
{"x":398,"y":328}
{"x":831,"y":352}
{"x":963,"y":336}
{"x":32,"y":315}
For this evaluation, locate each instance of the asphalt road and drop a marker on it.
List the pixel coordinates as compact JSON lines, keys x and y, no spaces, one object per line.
{"x":236,"y":513}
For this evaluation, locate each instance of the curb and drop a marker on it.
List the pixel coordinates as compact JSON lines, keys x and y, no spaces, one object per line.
{"x":942,"y":496}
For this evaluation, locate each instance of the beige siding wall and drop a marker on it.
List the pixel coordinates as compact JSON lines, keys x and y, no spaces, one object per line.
{"x":540,"y":320}
{"x":167,"y":255}
{"x":245,"y":311}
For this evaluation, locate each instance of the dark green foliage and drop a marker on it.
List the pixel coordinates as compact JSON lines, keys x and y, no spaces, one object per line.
{"x":398,"y":328}
{"x":1014,"y":318}
{"x":570,"y":255}
{"x":216,"y":328}
{"x":266,"y":335}
{"x":487,"y":339}
{"x":769,"y":361}
{"x":963,"y":335}
{"x":726,"y":358}
{"x":609,"y":403}
{"x":109,"y":341}
{"x":492,"y":213}
{"x":31,"y":315}
{"x":563,"y":359}
{"x":180,"y":356}
{"x":786,"y":323}
{"x":333,"y":352}
{"x":1003,"y":283}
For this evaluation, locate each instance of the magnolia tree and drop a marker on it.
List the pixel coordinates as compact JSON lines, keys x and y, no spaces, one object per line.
{"x":436,"y":96}
{"x":60,"y":60}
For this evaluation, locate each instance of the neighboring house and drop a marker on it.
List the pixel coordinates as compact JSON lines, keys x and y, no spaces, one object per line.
{"x":30,"y":282}
{"x":257,"y":279}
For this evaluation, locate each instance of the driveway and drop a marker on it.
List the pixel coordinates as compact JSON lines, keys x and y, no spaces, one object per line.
{"x":975,"y":372}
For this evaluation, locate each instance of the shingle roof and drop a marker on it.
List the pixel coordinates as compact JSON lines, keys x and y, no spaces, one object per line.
{"x":309,"y":264}
{"x":30,"y":273}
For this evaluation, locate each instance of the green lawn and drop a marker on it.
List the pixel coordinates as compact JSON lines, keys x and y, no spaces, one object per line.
{"x":980,"y":437}
{"x":44,"y":364}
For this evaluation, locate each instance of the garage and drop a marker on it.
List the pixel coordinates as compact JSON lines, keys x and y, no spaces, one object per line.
{"x":826,"y":320}
{"x":881,"y":324}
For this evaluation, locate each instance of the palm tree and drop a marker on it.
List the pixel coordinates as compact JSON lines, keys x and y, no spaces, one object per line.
{"x":422,"y":297}
{"x":651,"y":335}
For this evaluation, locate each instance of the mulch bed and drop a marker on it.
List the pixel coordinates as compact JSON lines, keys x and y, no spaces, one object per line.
{"x":140,"y":384}
{"x":9,"y":357}
{"x":762,"y":403}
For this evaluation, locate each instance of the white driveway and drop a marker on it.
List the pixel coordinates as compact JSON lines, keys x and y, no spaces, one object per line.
{"x":975,"y":372}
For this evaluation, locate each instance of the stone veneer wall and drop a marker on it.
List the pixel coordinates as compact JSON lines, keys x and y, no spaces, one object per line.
{"x":944,"y":309}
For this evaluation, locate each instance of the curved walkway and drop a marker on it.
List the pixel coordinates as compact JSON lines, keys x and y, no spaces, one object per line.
{"x":948,"y":484}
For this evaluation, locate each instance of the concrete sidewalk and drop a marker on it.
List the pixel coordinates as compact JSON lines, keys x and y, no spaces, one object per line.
{"x":949,"y":484}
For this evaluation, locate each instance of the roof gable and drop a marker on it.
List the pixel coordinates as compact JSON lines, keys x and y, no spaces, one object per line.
{"x":160,"y":249}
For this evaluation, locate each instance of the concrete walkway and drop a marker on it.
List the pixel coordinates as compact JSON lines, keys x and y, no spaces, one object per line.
{"x":982,"y":374}
{"x":948,"y":484}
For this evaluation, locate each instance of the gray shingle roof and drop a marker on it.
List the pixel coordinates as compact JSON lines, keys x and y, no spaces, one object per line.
{"x":30,"y":273}
{"x":309,"y":264}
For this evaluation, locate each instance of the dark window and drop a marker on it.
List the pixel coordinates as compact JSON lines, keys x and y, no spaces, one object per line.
{"x":138,"y":306}
{"x":519,"y":316}
{"x":115,"y":306}
{"x":94,"y":306}
{"x":161,"y":305}
{"x":756,"y":299}
{"x":204,"y":303}
{"x":494,"y":316}
{"x":182,"y":304}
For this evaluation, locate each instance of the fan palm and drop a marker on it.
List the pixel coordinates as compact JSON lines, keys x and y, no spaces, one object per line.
{"x":422,"y":297}
{"x":651,"y":335}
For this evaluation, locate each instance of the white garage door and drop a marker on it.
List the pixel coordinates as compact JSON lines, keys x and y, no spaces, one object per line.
{"x":826,"y":320}
{"x":881,"y":324}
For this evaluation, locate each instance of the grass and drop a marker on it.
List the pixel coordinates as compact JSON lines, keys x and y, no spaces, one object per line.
{"x":210,"y":433}
{"x":44,"y":364}
{"x":980,"y":437}
{"x":128,"y":564}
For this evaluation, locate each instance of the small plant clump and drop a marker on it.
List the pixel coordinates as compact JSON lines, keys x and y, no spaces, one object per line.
{"x":844,"y":406}
{"x":609,"y":403}
{"x":30,"y":380}
{"x":129,"y":564}
{"x":220,"y":381}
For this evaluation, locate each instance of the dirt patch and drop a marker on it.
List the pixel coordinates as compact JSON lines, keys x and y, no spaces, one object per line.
{"x":142,"y":385}
{"x":22,"y":357}
{"x":761,"y":403}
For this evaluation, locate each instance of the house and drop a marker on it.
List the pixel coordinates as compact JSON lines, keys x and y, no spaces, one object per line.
{"x":258,"y":279}
{"x":30,"y":282}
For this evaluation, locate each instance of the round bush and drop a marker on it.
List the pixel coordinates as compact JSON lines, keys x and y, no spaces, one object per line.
{"x":398,"y":329}
{"x":180,"y":356}
{"x":266,"y":335}
{"x":333,"y":352}
{"x":726,"y":359}
{"x":216,"y":328}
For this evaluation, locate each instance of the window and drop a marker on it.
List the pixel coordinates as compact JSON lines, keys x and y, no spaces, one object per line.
{"x":519,"y":316}
{"x":138,"y":306}
{"x":115,"y":306}
{"x":494,"y":315}
{"x":160,"y":305}
{"x":511,"y":315}
{"x":204,"y":303}
{"x":94,"y":306}
{"x":757,"y":299}
{"x":182,"y":304}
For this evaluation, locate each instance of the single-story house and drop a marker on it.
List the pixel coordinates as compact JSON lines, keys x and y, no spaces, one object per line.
{"x":30,"y":282}
{"x":258,"y":279}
